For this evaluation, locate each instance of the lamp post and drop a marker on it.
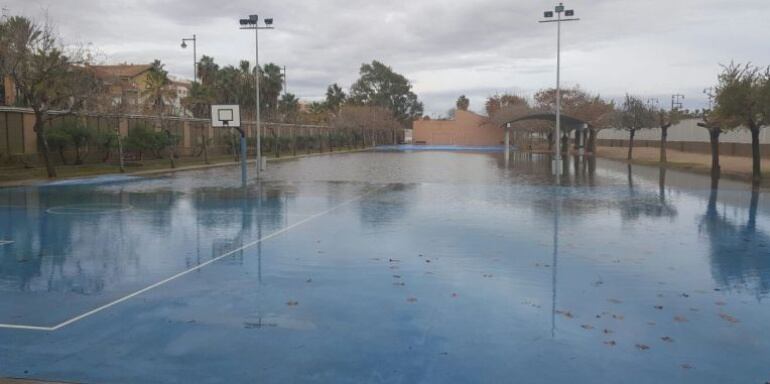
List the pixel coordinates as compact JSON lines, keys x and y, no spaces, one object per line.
{"x":559,"y":9}
{"x":253,"y":23}
{"x":194,"y":40}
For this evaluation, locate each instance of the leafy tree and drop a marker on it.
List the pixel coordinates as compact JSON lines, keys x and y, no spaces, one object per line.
{"x":497,"y":103}
{"x":80,"y":136}
{"x":335,"y":98}
{"x":157,"y":93}
{"x":59,"y":140}
{"x":288,"y":106}
{"x":463,"y":103}
{"x":741,"y":99}
{"x":46,"y":77}
{"x":379,"y":86}
{"x":270,"y":87}
{"x":577,"y":103}
{"x":715,"y":128}
{"x":635,"y":115}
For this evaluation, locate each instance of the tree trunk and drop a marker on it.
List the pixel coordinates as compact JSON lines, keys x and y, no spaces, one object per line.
{"x":61,"y":155}
{"x":631,"y":135}
{"x":78,"y":156}
{"x":43,"y":143}
{"x":714,"y":138}
{"x":591,"y":146}
{"x":663,"y":144}
{"x":756,"y":159}
{"x":205,"y":148}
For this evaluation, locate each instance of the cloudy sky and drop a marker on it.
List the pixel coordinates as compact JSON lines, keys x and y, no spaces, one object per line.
{"x":652,"y":48}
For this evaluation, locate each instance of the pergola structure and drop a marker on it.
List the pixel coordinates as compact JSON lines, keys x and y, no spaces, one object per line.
{"x":571,"y":123}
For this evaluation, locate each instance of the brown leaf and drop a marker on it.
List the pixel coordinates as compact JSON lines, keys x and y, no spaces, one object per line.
{"x":680,"y":319}
{"x":587,"y":326}
{"x":643,"y":347}
{"x":610,"y":343}
{"x":667,"y":339}
{"x":292,"y":303}
{"x":729,"y":318}
{"x":411,"y":300}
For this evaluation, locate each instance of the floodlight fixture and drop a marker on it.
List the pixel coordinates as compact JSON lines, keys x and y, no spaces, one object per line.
{"x":548,"y":14}
{"x":569,"y":13}
{"x":269,"y":21}
{"x":560,"y":8}
{"x":253,"y":19}
{"x":245,"y":21}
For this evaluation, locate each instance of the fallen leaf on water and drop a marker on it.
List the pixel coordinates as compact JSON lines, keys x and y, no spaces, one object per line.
{"x":688,"y":366}
{"x":685,"y":295}
{"x":292,"y":303}
{"x":396,"y":276}
{"x":411,"y":300}
{"x":643,"y":347}
{"x":728,"y":318}
{"x":427,"y":261}
{"x":454,"y":295}
{"x":607,"y":331}
{"x":611,"y":343}
{"x":487,"y":275}
{"x":694,"y":310}
{"x":720,"y":303}
{"x":309,"y":280}
{"x":680,"y":319}
{"x":618,"y":317}
{"x":667,"y":339}
{"x":651,"y":323}
{"x":614,"y":301}
{"x":393,"y":260}
{"x":659,"y":307}
{"x":399,"y":284}
{"x":566,"y":314}
{"x":587,"y":326}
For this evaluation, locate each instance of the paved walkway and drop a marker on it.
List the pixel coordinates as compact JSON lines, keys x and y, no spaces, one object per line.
{"x":731,"y":165}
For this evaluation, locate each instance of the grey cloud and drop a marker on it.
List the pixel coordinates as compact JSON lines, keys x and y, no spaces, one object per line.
{"x":618,"y":46}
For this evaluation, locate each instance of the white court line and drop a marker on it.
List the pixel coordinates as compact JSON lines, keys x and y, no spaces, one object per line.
{"x":183,"y":273}
{"x":6,"y":242}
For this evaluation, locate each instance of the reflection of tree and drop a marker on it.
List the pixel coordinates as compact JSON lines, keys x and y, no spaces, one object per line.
{"x":382,"y":208}
{"x":638,"y":205}
{"x":739,"y":253}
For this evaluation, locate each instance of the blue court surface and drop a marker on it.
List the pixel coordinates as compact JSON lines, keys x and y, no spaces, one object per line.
{"x":388,"y":267}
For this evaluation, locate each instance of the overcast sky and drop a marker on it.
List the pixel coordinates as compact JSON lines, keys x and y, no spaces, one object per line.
{"x":651,"y":48}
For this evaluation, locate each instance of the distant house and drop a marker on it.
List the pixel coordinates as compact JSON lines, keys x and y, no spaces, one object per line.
{"x":124,"y":83}
{"x":466,"y":129}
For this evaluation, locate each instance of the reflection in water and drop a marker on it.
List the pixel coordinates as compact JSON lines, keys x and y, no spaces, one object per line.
{"x":84,"y":248}
{"x":740,"y":254}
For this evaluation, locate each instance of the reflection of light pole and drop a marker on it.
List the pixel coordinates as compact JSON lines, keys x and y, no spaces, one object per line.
{"x":253,"y":23}
{"x":195,"y":54}
{"x":549,"y":14}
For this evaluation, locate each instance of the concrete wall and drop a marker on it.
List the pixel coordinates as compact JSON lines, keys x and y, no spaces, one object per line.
{"x":467,"y":128}
{"x":687,"y":136}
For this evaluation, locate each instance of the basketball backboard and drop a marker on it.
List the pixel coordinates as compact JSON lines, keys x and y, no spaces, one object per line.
{"x":226,"y":116}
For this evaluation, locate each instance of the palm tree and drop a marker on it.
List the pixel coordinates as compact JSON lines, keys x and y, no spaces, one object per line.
{"x":156,"y":93}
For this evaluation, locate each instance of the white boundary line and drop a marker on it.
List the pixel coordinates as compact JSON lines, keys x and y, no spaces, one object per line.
{"x":183,"y":273}
{"x":6,"y":242}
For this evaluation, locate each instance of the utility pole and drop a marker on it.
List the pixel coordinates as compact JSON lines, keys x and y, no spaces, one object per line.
{"x":559,"y":9}
{"x":285,"y":87}
{"x":676,"y":101}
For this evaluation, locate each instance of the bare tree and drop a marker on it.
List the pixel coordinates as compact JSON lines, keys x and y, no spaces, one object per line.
{"x":665,"y":121}
{"x":47,"y":78}
{"x":635,"y":115}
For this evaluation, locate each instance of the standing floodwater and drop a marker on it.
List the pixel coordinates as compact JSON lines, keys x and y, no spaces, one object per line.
{"x":397,"y":267}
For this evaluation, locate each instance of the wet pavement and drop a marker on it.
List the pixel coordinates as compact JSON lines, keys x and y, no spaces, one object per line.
{"x":388,"y":267}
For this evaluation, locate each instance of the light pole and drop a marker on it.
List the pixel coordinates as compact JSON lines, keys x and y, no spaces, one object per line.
{"x":253,"y":23}
{"x":194,"y":40}
{"x":559,"y":9}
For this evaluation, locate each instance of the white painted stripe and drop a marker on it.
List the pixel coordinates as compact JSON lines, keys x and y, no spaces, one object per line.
{"x":6,"y":242}
{"x":183,"y":273}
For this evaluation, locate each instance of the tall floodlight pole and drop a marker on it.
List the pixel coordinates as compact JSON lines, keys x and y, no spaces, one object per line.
{"x":559,"y":9}
{"x":253,"y":23}
{"x":195,"y":54}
